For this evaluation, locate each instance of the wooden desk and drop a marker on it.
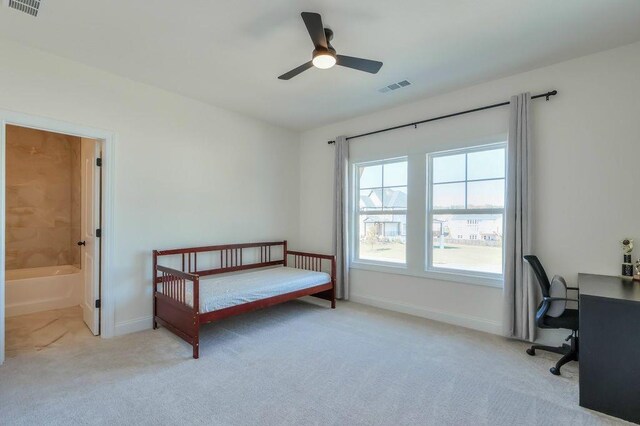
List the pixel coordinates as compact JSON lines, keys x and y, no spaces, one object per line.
{"x":610,"y":345}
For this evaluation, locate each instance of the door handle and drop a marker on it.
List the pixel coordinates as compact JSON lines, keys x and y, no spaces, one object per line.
{"x":82,"y":243}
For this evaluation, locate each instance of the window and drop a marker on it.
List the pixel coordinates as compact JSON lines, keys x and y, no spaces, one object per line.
{"x":381,"y":211}
{"x":466,"y":192}
{"x":430,"y":214}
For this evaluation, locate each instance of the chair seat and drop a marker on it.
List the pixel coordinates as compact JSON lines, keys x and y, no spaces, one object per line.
{"x":569,"y":320}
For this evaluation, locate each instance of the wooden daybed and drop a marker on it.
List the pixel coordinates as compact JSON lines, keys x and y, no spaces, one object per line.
{"x":188,"y":297}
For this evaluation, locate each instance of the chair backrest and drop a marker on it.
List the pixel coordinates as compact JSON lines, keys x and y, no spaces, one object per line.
{"x":543,"y":280}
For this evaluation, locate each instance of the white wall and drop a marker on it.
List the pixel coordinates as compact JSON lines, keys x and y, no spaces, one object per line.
{"x":586,"y":156}
{"x":187,"y":173}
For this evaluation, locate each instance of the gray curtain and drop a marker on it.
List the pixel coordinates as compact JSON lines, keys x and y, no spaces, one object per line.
{"x":340,"y":216}
{"x":519,"y":287}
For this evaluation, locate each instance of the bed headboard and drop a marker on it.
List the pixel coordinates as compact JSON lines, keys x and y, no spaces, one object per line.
{"x":225,"y":258}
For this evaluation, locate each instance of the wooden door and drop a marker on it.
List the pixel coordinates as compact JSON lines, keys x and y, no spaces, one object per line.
{"x":90,"y":223}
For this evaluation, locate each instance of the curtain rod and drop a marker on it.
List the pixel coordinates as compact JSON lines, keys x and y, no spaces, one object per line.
{"x":415,"y":123}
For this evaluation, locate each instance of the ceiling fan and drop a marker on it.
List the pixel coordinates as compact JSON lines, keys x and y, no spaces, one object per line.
{"x":324,"y":55}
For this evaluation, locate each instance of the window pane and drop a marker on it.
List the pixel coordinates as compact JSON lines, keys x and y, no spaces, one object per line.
{"x":468,"y":242}
{"x":370,"y":176}
{"x":382,"y":238}
{"x":371,"y":199}
{"x":395,"y":174}
{"x":395,"y":198}
{"x":448,"y":168}
{"x":448,"y":196}
{"x":486,"y":164}
{"x":485,"y":194}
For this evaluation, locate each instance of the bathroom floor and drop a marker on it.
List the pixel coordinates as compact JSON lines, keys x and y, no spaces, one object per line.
{"x":42,"y":330}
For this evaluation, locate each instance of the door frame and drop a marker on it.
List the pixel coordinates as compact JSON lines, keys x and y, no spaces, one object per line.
{"x":108,"y":139}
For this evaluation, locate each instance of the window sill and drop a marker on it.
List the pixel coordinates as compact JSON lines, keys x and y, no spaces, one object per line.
{"x":456,"y":277}
{"x":394,"y":268}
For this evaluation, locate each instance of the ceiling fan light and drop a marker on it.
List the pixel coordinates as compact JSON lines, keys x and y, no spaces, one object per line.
{"x":324,"y":61}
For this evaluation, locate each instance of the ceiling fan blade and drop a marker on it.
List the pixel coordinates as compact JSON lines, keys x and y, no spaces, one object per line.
{"x":313,"y":21}
{"x":296,"y":71}
{"x":359,"y":64}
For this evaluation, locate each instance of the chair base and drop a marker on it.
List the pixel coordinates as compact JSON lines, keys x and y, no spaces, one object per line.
{"x":568,"y":352}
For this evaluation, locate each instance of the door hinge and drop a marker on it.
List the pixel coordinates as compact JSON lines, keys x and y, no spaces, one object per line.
{"x":99,"y":162}
{"x":98,"y":304}
{"x":99,"y":233}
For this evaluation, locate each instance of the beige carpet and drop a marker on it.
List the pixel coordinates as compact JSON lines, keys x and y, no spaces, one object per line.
{"x":295,"y":364}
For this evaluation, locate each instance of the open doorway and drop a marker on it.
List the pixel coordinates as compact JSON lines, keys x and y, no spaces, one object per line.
{"x":107,"y":139}
{"x":53,"y":209}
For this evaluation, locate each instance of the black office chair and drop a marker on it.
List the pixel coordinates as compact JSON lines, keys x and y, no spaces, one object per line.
{"x":568,"y":319}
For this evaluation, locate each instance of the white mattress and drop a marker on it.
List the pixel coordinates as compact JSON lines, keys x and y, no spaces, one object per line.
{"x":219,"y":292}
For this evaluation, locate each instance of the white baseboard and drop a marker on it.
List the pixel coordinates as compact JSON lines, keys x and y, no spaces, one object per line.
{"x":475,"y":323}
{"x":134,"y":325}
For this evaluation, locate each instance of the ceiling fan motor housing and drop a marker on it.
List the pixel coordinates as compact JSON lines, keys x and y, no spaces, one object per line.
{"x":329,"y":50}
{"x":328,"y":34}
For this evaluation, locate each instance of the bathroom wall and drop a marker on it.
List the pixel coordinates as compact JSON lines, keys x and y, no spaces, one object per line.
{"x":43,"y":189}
{"x":75,"y":234}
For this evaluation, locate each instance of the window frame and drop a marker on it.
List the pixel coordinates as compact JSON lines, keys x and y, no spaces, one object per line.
{"x":355,"y":213}
{"x":491,"y":279}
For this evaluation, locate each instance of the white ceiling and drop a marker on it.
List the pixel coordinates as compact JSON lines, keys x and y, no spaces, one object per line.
{"x":229,"y":52}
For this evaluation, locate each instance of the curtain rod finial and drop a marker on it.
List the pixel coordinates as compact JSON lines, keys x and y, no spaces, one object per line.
{"x":331,"y":142}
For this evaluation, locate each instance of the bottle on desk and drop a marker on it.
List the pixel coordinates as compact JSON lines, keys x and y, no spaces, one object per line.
{"x":627,"y":266}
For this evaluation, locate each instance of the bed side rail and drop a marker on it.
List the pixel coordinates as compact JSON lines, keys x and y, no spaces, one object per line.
{"x":312,"y":262}
{"x":170,"y":307}
{"x":316,"y":262}
{"x":174,"y":285}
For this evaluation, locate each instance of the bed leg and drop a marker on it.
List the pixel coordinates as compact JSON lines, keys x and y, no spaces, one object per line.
{"x":196,"y":345}
{"x":196,"y":350}
{"x":155,"y":324}
{"x":333,"y":297}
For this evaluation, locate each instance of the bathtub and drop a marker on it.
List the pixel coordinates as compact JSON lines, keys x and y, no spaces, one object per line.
{"x":41,"y":289}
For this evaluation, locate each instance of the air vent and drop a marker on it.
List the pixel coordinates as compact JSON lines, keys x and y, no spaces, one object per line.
{"x":394,"y":86}
{"x":30,"y":7}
